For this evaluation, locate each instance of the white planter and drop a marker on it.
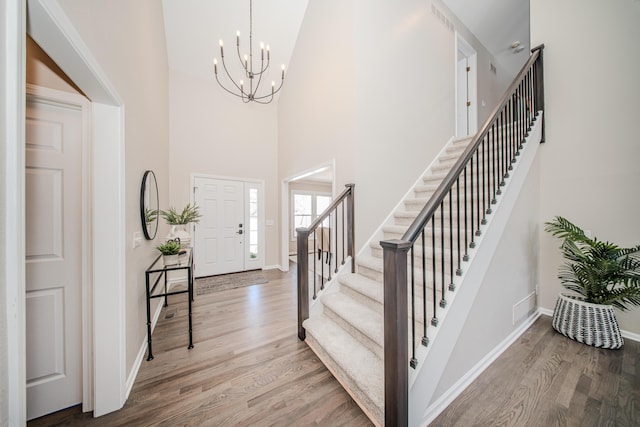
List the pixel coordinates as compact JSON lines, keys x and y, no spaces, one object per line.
{"x":169,"y":260}
{"x":591,"y":324}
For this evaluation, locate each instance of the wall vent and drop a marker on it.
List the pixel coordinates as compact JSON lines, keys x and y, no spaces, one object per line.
{"x":442,"y":18}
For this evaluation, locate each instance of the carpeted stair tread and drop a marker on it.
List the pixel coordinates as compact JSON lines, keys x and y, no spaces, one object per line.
{"x":362,"y":368}
{"x":358,"y":316}
{"x":364,"y":286}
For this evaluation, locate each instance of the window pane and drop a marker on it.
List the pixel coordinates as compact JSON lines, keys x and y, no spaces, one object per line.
{"x":322,"y":203}
{"x":253,"y":223}
{"x":302,"y":204}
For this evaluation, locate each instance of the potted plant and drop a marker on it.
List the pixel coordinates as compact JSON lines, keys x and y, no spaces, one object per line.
{"x":179,"y":221}
{"x":169,"y":251}
{"x":603,"y":275}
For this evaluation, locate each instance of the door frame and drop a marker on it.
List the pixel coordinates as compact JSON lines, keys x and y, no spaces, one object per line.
{"x":50,"y":27}
{"x":472,"y":82}
{"x":262,"y":210}
{"x":76,"y":101}
{"x":284,"y":205}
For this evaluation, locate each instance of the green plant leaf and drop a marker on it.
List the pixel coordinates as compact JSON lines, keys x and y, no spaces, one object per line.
{"x":601,"y":272}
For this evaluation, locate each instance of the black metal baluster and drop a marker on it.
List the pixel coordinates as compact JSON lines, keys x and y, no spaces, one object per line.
{"x":452,"y":287}
{"x":472,"y":244}
{"x":485,"y":170}
{"x":321,"y":261}
{"x":459,"y":270}
{"x":477,"y":188}
{"x":342,"y":232}
{"x":434,"y":319}
{"x":512,"y":138}
{"x":414,"y":362}
{"x":466,"y":205}
{"x":315,"y":269}
{"x":335,"y":245}
{"x":443,"y":302}
{"x":425,"y":339}
{"x":493,"y":163}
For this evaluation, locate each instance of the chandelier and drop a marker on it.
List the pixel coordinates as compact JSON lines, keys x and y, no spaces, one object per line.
{"x":248,"y":91}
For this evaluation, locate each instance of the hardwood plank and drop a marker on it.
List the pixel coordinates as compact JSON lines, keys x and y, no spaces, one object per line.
{"x":247,"y":368}
{"x":547,"y":379}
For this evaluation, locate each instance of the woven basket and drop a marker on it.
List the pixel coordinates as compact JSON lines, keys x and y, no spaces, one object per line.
{"x":591,"y":324}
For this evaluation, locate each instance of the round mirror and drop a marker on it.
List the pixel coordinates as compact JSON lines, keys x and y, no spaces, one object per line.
{"x":149,"y":205}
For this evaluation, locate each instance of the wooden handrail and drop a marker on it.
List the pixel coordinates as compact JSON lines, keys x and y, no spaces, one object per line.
{"x":412,"y":233}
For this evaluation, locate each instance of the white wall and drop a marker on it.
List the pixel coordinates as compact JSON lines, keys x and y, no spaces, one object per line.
{"x":316,"y":116}
{"x":512,"y":275}
{"x":214,"y":133}
{"x":377,"y":94}
{"x":127,"y":39}
{"x":404,"y":102}
{"x":590,"y":170}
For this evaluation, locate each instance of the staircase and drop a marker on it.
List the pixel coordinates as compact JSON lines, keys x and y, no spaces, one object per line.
{"x":414,"y":266}
{"x":346,"y":329}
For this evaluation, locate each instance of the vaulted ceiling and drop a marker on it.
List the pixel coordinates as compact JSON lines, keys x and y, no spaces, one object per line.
{"x":497,"y":24}
{"x":193,"y":30}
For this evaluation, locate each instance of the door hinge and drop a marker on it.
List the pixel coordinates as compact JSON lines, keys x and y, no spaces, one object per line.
{"x":468,"y":69}
{"x":468,"y":103}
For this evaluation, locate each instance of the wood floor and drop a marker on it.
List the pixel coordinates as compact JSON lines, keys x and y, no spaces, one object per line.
{"x":249,"y":369}
{"x":546,"y":379}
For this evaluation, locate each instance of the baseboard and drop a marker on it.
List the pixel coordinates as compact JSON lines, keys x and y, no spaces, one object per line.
{"x":273,"y":267}
{"x":450,"y":395}
{"x":140,"y":357}
{"x":625,"y":334}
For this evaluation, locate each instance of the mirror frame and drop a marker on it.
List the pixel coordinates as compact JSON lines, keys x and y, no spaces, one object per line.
{"x":143,"y":188}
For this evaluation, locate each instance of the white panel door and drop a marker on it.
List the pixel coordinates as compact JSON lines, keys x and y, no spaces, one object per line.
{"x":53,"y":256}
{"x":462,"y":100}
{"x":220,"y":235}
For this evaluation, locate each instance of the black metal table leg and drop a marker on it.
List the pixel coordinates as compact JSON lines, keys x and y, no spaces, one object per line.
{"x":149,"y":351}
{"x":190,"y":288}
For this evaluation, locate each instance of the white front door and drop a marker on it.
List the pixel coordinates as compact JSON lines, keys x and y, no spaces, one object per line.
{"x":220,"y":236}
{"x":53,"y":256}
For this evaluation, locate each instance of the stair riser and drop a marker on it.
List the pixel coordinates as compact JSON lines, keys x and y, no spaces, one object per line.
{"x":361,"y":396}
{"x":379,"y":277}
{"x":363,"y":299}
{"x":376,"y":252}
{"x":374,"y":347}
{"x":416,"y":205}
{"x":429,"y":231}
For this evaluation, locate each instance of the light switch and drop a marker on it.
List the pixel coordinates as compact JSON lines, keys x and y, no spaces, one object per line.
{"x":137,"y":239}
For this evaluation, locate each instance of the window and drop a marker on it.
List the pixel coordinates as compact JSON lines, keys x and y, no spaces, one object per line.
{"x":307,"y":206}
{"x":253,"y":223}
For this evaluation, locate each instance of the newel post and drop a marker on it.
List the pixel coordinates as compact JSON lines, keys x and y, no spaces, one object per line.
{"x":396,"y":333}
{"x":303,"y":279}
{"x":351,"y":236}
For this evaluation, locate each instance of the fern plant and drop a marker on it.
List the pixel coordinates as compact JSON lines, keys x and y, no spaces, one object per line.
{"x":190,"y":213}
{"x":171,"y":247}
{"x":601,"y":272}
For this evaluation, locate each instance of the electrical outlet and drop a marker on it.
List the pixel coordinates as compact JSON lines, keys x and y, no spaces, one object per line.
{"x":137,"y":239}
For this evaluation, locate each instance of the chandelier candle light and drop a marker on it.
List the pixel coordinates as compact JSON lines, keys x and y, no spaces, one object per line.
{"x":249,"y":94}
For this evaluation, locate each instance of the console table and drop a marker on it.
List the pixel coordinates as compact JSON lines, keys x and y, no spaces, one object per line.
{"x":157,"y":290}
